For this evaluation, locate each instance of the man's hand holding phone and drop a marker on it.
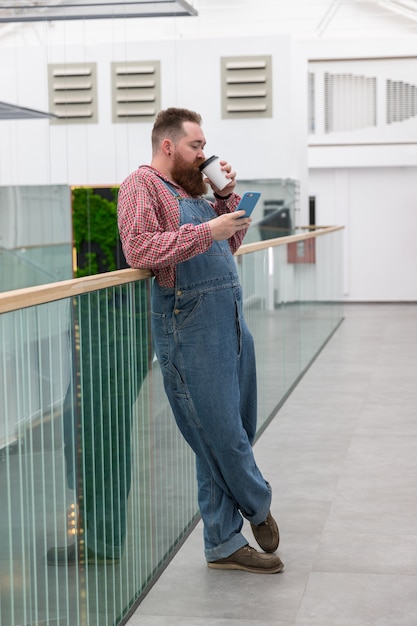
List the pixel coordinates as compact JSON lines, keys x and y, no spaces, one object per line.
{"x":248,"y":202}
{"x":225,"y":226}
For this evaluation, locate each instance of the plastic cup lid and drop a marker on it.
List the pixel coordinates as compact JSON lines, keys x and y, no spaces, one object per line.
{"x":207,"y":162}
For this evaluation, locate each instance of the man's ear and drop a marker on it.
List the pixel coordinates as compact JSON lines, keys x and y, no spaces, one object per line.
{"x":167,"y":147}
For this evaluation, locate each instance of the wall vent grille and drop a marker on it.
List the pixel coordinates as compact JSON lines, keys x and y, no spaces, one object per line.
{"x":72,"y":93}
{"x":350,"y":102}
{"x":401,"y":101}
{"x":246,"y":87}
{"x":311,"y":103}
{"x":136,"y":89}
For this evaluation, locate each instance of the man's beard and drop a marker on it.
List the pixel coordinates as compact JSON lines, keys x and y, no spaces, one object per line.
{"x":188,"y":176}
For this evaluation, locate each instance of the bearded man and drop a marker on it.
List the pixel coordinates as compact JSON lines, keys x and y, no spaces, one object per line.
{"x":201,"y":339}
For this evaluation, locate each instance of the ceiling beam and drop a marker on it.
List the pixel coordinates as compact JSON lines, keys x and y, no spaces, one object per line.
{"x":406,"y":8}
{"x":52,"y":10}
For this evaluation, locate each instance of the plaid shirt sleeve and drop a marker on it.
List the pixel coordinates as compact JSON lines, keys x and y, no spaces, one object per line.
{"x":149,"y":226}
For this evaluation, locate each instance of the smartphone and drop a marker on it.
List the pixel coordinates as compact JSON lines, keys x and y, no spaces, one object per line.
{"x":248,"y":201}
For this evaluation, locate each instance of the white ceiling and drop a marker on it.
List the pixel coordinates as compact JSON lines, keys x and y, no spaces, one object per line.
{"x":367,"y":26}
{"x":310,"y":18}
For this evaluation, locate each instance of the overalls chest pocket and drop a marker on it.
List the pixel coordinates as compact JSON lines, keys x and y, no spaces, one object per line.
{"x":200,"y":212}
{"x":197,"y":212}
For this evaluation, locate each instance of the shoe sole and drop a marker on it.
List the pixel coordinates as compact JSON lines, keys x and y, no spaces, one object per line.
{"x":243,"y":568}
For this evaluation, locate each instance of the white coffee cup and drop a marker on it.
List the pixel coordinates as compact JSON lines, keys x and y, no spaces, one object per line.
{"x":211,"y":169}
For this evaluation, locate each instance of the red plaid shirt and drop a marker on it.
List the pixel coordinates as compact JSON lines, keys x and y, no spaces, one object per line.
{"x":149,"y":225}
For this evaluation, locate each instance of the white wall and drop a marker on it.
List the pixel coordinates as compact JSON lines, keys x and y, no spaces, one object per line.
{"x":366,"y":179}
{"x":379,"y":208}
{"x":37,"y":152}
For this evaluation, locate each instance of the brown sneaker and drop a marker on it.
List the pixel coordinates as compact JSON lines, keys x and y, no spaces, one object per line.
{"x":267,"y":534}
{"x":250,"y":560}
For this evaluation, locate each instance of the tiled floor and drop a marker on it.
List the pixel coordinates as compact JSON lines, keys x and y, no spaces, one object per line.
{"x":341,"y":456}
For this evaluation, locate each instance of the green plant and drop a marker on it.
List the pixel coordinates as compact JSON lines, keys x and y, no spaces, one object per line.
{"x":95,"y":229}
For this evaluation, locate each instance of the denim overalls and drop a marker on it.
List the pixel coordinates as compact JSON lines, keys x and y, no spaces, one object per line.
{"x":207,"y":358}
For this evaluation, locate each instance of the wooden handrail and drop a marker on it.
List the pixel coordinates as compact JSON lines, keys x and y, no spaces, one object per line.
{"x":50,"y":292}
{"x":313,"y":232}
{"x":41,"y":294}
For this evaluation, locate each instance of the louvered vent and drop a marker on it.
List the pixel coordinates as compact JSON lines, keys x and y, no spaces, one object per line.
{"x":311,"y":103}
{"x":136,"y":91}
{"x":246,"y":87}
{"x":72,"y":93}
{"x":350,"y":102}
{"x":401,"y":101}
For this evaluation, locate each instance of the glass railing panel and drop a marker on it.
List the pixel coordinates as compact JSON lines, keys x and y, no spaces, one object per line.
{"x":54,"y":260}
{"x":35,"y":235}
{"x":35,"y":372}
{"x":319,"y":280}
{"x":292,"y":296}
{"x":91,"y":455}
{"x":111,"y":365}
{"x":27,"y":267}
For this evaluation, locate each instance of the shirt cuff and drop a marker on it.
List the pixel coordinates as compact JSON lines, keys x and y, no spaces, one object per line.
{"x":216,"y":195}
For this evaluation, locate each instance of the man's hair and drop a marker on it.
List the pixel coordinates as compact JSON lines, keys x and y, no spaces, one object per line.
{"x":169,"y":123}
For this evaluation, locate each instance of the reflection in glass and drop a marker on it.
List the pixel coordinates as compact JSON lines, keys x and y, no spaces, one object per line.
{"x":35,"y":235}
